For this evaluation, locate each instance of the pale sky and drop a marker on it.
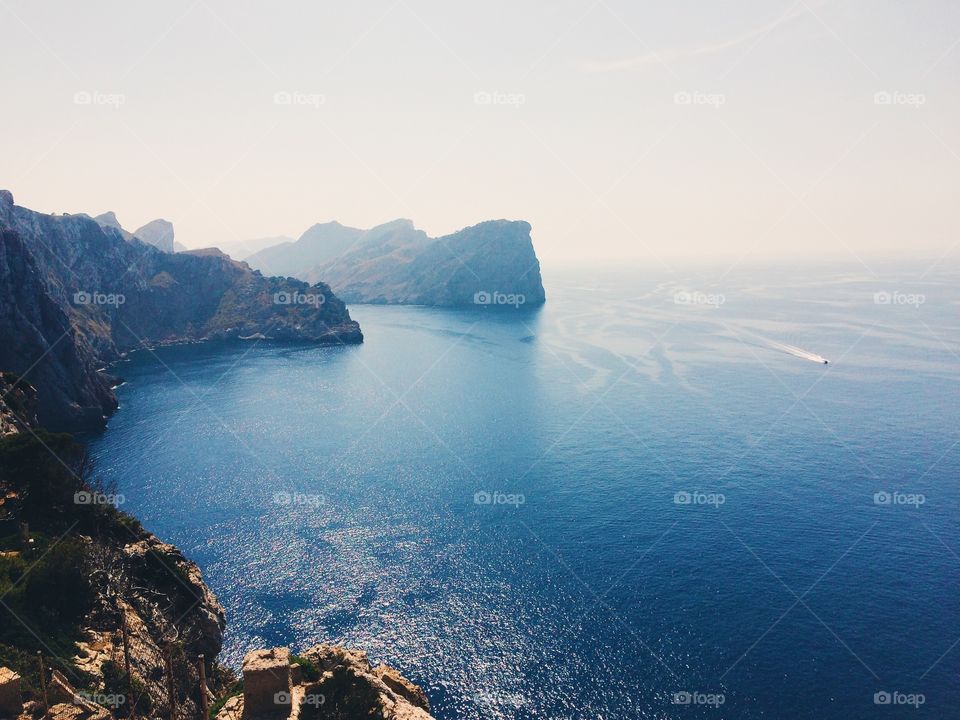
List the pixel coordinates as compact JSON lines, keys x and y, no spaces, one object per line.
{"x":620,"y":129}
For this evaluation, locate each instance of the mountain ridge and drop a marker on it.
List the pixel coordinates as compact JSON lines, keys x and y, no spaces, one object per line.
{"x":77,"y":295}
{"x":396,"y":263}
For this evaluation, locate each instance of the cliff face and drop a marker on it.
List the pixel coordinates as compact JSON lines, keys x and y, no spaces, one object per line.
{"x":158,"y":233}
{"x":493,"y":263}
{"x":75,"y":294}
{"x":18,"y":405}
{"x":88,"y":589}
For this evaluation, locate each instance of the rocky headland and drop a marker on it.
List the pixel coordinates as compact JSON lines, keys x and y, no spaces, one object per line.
{"x":77,"y":293}
{"x":396,"y":263}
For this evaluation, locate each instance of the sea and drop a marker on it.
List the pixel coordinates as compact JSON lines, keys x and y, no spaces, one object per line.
{"x":697,"y":492}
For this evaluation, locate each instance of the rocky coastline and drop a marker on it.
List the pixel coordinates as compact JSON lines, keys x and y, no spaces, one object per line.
{"x":76,"y":295}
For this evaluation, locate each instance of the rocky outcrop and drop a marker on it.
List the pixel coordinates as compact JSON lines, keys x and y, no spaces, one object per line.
{"x":74,"y":295}
{"x":158,"y":233}
{"x":109,"y":220}
{"x":327,"y":682}
{"x":107,"y":594}
{"x":18,"y":405}
{"x":493,"y":263}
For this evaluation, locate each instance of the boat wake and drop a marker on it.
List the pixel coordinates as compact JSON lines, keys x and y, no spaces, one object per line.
{"x":798,"y":352}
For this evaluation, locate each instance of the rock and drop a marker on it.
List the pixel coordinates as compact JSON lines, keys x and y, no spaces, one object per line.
{"x":348,"y":687}
{"x":158,"y":233}
{"x":266,"y":680}
{"x":11,"y":704}
{"x":6,"y":198}
{"x":109,"y":220}
{"x":490,"y":264}
{"x":18,"y":405}
{"x":74,"y":296}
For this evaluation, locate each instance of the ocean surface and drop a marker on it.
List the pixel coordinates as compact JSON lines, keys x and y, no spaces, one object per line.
{"x":648,"y":499}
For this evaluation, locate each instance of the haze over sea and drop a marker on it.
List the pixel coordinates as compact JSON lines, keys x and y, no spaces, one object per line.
{"x":680,"y":501}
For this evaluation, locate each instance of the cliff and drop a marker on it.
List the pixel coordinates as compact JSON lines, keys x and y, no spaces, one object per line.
{"x":492,"y":263}
{"x":75,"y":294}
{"x":82,"y":581}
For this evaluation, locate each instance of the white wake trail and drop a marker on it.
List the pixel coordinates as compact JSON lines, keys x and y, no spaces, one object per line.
{"x":798,"y":352}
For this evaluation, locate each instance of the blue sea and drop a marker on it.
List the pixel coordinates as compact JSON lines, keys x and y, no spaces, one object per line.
{"x":648,"y":499}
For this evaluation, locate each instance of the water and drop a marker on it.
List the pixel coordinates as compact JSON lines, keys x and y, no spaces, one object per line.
{"x":330,"y":494}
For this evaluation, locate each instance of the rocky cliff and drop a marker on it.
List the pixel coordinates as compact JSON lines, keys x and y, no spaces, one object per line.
{"x":87,"y":590}
{"x":76,"y":294}
{"x":493,"y":263}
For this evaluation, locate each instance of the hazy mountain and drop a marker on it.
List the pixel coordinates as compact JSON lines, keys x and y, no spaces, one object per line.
{"x":75,"y":295}
{"x":158,"y":233}
{"x":318,"y":244}
{"x":109,"y":220}
{"x":396,"y":263}
{"x":242,"y":249}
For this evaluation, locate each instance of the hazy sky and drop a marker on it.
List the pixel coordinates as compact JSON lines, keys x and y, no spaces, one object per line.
{"x":618,"y":128}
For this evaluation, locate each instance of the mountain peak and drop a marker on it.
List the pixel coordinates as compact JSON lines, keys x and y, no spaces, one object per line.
{"x":158,"y":233}
{"x":108,"y":219}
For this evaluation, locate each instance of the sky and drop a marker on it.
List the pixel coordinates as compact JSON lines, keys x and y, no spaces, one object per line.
{"x":622,"y":130}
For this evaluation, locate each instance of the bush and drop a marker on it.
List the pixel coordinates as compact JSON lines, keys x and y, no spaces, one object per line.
{"x":60,"y":582}
{"x":309,"y":670}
